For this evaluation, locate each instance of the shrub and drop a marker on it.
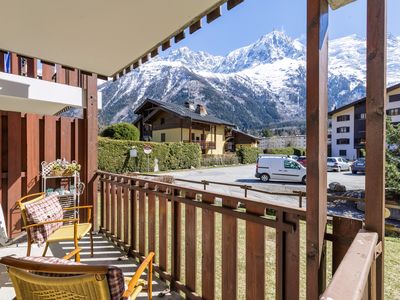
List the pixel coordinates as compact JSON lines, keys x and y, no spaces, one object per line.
{"x":219,"y":160}
{"x":247,"y":155}
{"x":114,"y":156}
{"x":121,"y":131}
{"x":286,"y":151}
{"x":393,"y":158}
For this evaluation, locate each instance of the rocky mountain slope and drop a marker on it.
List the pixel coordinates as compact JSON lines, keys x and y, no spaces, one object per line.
{"x":251,"y":86}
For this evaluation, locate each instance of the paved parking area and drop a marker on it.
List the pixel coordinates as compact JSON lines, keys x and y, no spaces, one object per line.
{"x":244,"y":175}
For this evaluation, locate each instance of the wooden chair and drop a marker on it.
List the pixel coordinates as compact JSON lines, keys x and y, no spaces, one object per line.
{"x":51,"y":227}
{"x":54,"y":278}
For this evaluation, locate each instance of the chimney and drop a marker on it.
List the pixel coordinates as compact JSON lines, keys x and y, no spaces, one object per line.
{"x":201,"y":110}
{"x":190,"y":105}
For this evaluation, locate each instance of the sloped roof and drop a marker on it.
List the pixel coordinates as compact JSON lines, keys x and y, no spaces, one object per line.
{"x":388,"y":90}
{"x":246,"y":134}
{"x":183,"y":112}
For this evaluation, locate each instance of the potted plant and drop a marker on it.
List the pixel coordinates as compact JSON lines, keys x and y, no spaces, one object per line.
{"x":72,"y":168}
{"x":57,"y":169}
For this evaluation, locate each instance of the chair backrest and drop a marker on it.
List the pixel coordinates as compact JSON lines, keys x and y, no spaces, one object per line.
{"x":42,"y":209}
{"x":39,"y":277}
{"x":32,"y":198}
{"x":28,"y":286}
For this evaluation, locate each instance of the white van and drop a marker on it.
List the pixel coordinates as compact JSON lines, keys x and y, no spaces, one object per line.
{"x":280,"y":169}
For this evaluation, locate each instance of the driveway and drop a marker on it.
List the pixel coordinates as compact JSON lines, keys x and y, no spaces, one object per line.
{"x":244,"y":175}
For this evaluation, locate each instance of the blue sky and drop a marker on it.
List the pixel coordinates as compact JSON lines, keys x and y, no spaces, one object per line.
{"x":250,"y":20}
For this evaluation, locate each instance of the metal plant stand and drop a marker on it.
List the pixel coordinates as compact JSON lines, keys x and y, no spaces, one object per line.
{"x":68,"y":197}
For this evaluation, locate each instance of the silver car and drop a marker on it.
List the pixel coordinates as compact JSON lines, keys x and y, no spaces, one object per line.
{"x":337,"y":164}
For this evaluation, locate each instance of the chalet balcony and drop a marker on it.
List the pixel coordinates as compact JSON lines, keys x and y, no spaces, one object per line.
{"x":204,"y":145}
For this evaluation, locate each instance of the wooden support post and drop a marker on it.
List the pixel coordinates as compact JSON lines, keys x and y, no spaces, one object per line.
{"x":91,"y":129}
{"x":317,"y":106}
{"x":31,"y":67}
{"x":15,"y":63}
{"x":376,"y":129}
{"x":2,"y":61}
{"x":47,"y":71}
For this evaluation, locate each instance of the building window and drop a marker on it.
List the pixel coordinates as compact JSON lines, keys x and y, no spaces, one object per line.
{"x":343,"y":129}
{"x":343,"y":118}
{"x":343,"y":141}
{"x":193,"y":137}
{"x":361,"y":116}
{"x":393,"y":112}
{"x":394,"y":98}
{"x":359,"y":141}
{"x":162,"y":121}
{"x":342,"y":152}
{"x":162,"y":137}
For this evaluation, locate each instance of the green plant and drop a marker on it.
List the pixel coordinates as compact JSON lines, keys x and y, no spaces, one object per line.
{"x":247,"y":155}
{"x":393,"y":158}
{"x":286,"y":151}
{"x":121,"y":131}
{"x":219,"y":160}
{"x":113,"y":156}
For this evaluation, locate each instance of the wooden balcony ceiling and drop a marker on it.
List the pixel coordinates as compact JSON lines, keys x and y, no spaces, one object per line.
{"x":103,"y":37}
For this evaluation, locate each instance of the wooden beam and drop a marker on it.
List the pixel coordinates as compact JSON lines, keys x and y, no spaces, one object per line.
{"x":232,"y":3}
{"x":317,"y":107}
{"x":31,"y":67}
{"x":47,"y":71}
{"x":195,"y":26}
{"x":179,"y":37}
{"x":91,"y":129}
{"x":60,"y":74}
{"x":15,"y":63}
{"x":166,"y":45}
{"x":2,"y":61}
{"x":215,"y":14}
{"x":375,"y":129}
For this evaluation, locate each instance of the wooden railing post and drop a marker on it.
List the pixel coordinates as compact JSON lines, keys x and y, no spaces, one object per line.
{"x":317,"y":116}
{"x":376,"y":129}
{"x":175,"y":238}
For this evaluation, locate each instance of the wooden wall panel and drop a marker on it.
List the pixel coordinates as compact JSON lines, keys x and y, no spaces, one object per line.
{"x":32,"y":154}
{"x":47,"y":71}
{"x":60,"y":74}
{"x":31,"y":67}
{"x":65,"y":138}
{"x":14,"y":182}
{"x":50,"y":138}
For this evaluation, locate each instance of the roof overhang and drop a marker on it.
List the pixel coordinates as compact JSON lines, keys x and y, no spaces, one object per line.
{"x":103,"y":37}
{"x":29,"y":95}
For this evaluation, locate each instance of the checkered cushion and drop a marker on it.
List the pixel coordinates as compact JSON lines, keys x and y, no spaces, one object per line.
{"x":46,"y":209}
{"x":115,"y":277}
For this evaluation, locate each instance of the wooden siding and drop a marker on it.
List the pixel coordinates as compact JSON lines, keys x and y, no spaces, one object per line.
{"x":26,"y":140}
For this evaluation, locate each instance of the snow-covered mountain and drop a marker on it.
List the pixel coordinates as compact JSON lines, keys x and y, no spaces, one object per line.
{"x":251,"y":86}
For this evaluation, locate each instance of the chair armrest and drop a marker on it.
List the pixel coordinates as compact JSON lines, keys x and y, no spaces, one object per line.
{"x":72,"y":253}
{"x":50,"y":222}
{"x":133,"y":282}
{"x":88,"y":207}
{"x":78,"y":207}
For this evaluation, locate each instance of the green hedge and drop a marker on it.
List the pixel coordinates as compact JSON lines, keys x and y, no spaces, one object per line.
{"x":114,"y":156}
{"x":219,"y":160}
{"x":247,"y":155}
{"x":286,"y":151}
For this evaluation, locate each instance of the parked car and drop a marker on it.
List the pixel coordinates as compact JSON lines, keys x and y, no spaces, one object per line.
{"x":337,"y":164}
{"x":302,"y":160}
{"x":358,"y":166}
{"x":280,"y":169}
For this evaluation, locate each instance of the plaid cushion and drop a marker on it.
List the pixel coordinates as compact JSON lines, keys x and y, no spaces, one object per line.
{"x":115,"y":277}
{"x":46,"y":209}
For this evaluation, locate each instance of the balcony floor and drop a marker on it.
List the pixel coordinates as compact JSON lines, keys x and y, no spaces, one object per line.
{"x":105,"y":252}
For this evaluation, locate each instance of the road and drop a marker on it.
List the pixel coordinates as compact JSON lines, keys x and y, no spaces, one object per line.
{"x":244,"y":175}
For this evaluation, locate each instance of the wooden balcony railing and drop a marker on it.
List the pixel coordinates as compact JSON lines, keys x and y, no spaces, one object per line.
{"x":355,"y":277}
{"x":204,"y":144}
{"x":210,"y":245}
{"x":234,"y":259}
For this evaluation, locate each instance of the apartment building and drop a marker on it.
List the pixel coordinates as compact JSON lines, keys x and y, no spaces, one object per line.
{"x":347,"y":124}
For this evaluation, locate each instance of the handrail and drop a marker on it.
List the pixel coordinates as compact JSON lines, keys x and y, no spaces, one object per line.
{"x":270,"y":205}
{"x":350,"y":280}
